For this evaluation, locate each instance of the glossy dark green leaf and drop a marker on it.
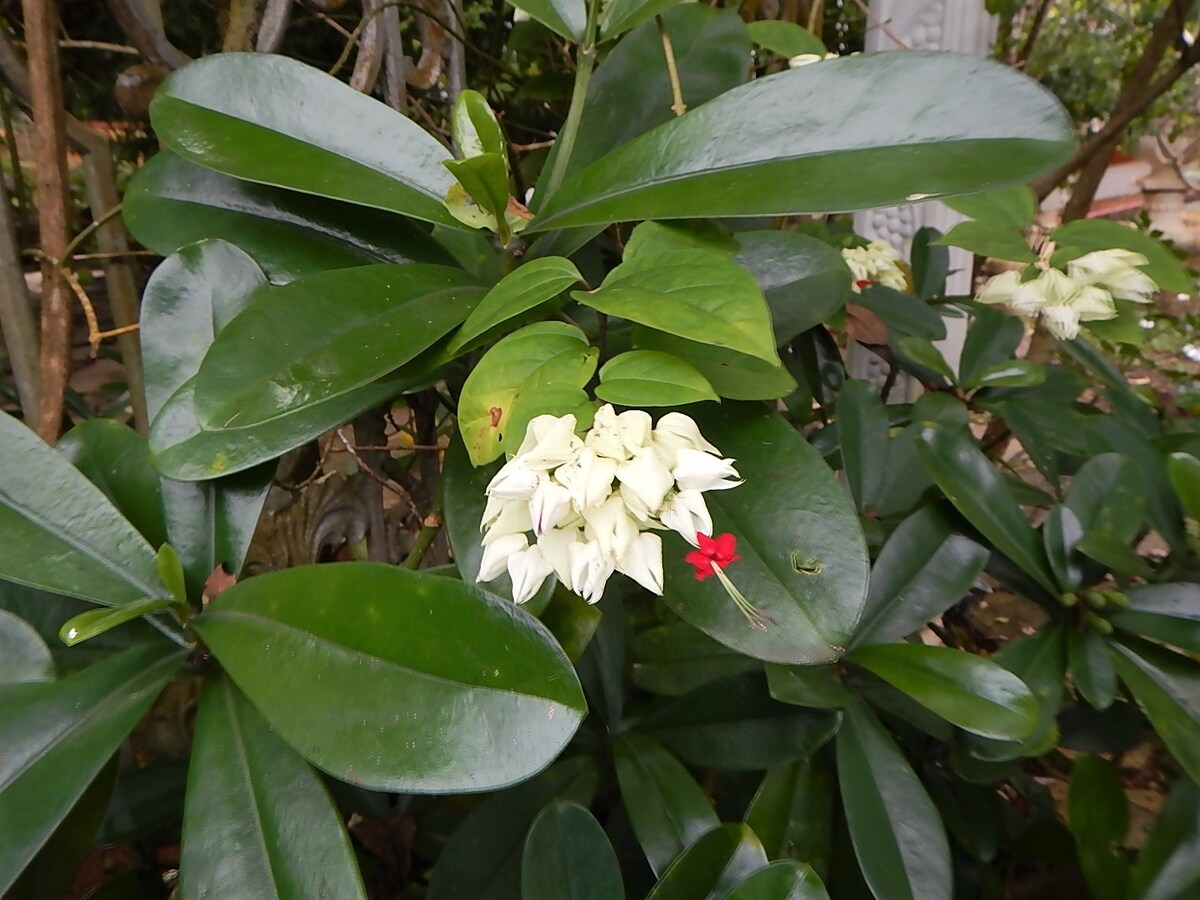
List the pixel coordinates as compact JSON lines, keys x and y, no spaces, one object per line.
{"x":490,"y":708}
{"x":572,"y":620}
{"x":1014,"y":207}
{"x":804,"y":279}
{"x":666,"y":807}
{"x":58,"y":735}
{"x":783,"y":880}
{"x":482,"y":858}
{"x":992,"y":339}
{"x":566,"y":18}
{"x":898,"y":836}
{"x":972,"y":692}
{"x":88,"y":625}
{"x":171,"y":203}
{"x":24,"y":656}
{"x":534,"y":283}
{"x":785,"y":38}
{"x":249,"y":115}
{"x":819,"y":687}
{"x":1107,"y":496}
{"x":547,"y":354}
{"x":1061,"y":533}
{"x":475,"y":127}
{"x":641,"y":378}
{"x":793,"y":811}
{"x":735,"y":724}
{"x":713,"y":866}
{"x":258,"y":822}
{"x":568,"y":857}
{"x":291,"y":348}
{"x":993,"y":239}
{"x":762,"y":150}
{"x":1169,"y":865}
{"x":693,"y":294}
{"x":903,"y":313}
{"x":924,"y":354}
{"x":1098,"y":813}
{"x":1125,"y":436}
{"x":1085,"y":235}
{"x":60,"y":533}
{"x":1164,"y":612}
{"x":602,"y":668}
{"x":144,"y":801}
{"x":116,"y":459}
{"x":790,"y":508}
{"x":734,"y":376}
{"x":1166,"y":686}
{"x":975,"y":487}
{"x":621,"y":15}
{"x":1092,"y":668}
{"x":862,"y":427}
{"x":1018,"y":373}
{"x":1184,"y":472}
{"x":1114,"y":554}
{"x":676,"y":659}
{"x":923,"y":570}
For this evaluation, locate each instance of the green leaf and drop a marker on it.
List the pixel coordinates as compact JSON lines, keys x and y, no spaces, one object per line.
{"x":897,"y":834}
{"x":58,"y":735}
{"x":24,"y":656}
{"x":989,"y":239}
{"x":60,"y":533}
{"x":97,"y":621}
{"x":1077,"y":238}
{"x":790,"y":504}
{"x":736,"y":725}
{"x":1061,"y":534}
{"x":793,"y":811}
{"x":1092,"y":668}
{"x":490,"y":708}
{"x":982,"y":126}
{"x":786,"y":38}
{"x":643,"y":378}
{"x":116,"y":459}
{"x":713,"y":866}
{"x":784,"y":880}
{"x":734,"y":376}
{"x":991,"y":340}
{"x":572,"y":620}
{"x":1169,"y":613}
{"x":217,"y":113}
{"x":804,"y":279}
{"x":525,"y":289}
{"x":819,"y":687}
{"x":675,"y":659}
{"x":1169,"y":865}
{"x":972,"y":692}
{"x":622,"y":15}
{"x":258,"y":821}
{"x":666,"y":807}
{"x":1106,"y":496}
{"x":1166,"y":686}
{"x":973,"y":485}
{"x":1124,"y":436}
{"x":924,"y":568}
{"x":1013,"y":207}
{"x":1098,"y":813}
{"x":171,"y":203}
{"x":903,"y":313}
{"x":566,"y":18}
{"x":537,"y":356}
{"x":862,"y":427}
{"x":482,"y":858}
{"x":1017,"y":373}
{"x":922,"y":352}
{"x":170,"y":570}
{"x":692,"y":294}
{"x":291,"y":349}
{"x":475,"y":128}
{"x":568,"y":857}
{"x":1184,"y":472}
{"x":484,"y":179}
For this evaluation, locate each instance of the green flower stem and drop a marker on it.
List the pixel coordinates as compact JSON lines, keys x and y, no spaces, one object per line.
{"x":583,"y":76}
{"x":426,"y":536}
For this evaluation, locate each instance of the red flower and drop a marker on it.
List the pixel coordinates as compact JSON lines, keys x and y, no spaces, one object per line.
{"x":719,"y":551}
{"x":862,"y":284}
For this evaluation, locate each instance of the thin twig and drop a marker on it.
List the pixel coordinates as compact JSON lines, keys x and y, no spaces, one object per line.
{"x":678,"y":106}
{"x":114,"y":254}
{"x":89,"y":231}
{"x":880,"y":24}
{"x":373,"y":475}
{"x":69,"y":44}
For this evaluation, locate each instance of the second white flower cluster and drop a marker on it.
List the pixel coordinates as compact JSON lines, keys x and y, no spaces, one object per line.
{"x":593,"y":503}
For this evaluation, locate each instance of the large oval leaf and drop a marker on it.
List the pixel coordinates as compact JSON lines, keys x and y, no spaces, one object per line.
{"x":1169,"y":865}
{"x":257,"y":822}
{"x":568,"y":857}
{"x":908,"y":125}
{"x":792,"y":812}
{"x":1165,"y":612}
{"x":24,"y":656}
{"x":59,"y":532}
{"x":790,"y":509}
{"x":718,"y":862}
{"x":898,"y":836}
{"x":783,"y":880}
{"x":250,"y":115}
{"x":172,"y":203}
{"x":58,"y":735}
{"x":968,"y":690}
{"x":675,"y":659}
{"x":488,"y":708}
{"x":517,"y":293}
{"x":292,"y":348}
{"x":641,"y":378}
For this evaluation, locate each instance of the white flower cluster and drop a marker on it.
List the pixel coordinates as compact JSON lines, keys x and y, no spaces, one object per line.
{"x":590,"y":501}
{"x":876,"y":263}
{"x":1084,"y":293}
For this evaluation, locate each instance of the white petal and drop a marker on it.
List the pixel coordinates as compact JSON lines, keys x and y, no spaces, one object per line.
{"x":527,"y":570}
{"x":589,"y":478}
{"x":548,"y":506}
{"x":698,"y":471}
{"x":634,"y":426}
{"x":1096,"y":266}
{"x":496,"y":554}
{"x":514,"y":481}
{"x":686,"y":513}
{"x":590,"y":570}
{"x":604,"y":437}
{"x":643,"y":562}
{"x":549,"y":441}
{"x":556,"y":549}
{"x":611,"y":527}
{"x":1000,"y":288}
{"x":648,"y":479}
{"x":676,"y":426}
{"x":1061,"y":321}
{"x":1092,"y":303}
{"x":513,"y":519}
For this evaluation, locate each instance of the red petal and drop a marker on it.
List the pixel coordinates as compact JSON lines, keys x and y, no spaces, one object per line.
{"x":726,"y":545}
{"x":707,"y":545}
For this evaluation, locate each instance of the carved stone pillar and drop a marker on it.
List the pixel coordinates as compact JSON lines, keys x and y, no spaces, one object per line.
{"x":962,"y":26}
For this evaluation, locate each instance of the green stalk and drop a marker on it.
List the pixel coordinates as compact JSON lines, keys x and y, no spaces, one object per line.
{"x":570,"y":129}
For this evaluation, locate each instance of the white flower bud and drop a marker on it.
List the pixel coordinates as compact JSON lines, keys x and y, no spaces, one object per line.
{"x":528,"y":570}
{"x":642,"y":562}
{"x":590,"y":570}
{"x":549,"y":441}
{"x":645,"y":482}
{"x":687,"y":514}
{"x":698,"y":471}
{"x":589,"y":478}
{"x":496,"y":554}
{"x":548,"y":506}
